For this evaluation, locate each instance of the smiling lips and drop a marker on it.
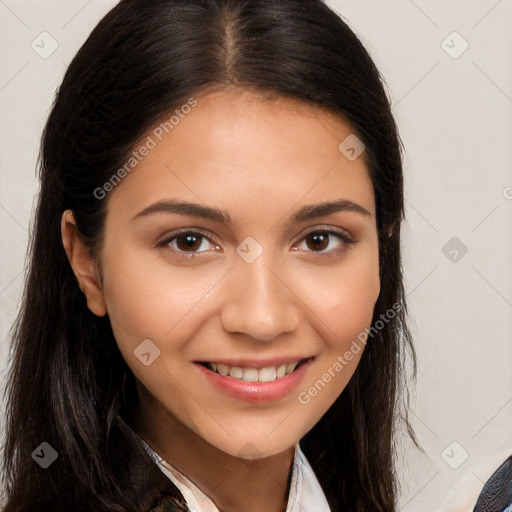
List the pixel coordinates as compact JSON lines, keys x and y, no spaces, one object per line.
{"x":248,"y":374}
{"x":256,"y":381}
{"x":248,"y":370}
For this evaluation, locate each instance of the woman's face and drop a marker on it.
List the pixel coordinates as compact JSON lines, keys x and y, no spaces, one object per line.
{"x":250,"y":276}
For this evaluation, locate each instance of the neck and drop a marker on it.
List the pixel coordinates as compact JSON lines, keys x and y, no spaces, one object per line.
{"x":232,"y":483}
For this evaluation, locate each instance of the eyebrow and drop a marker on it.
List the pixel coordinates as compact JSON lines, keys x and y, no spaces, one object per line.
{"x":310,"y":212}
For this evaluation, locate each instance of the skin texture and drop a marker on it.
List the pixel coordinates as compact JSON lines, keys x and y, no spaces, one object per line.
{"x":260,"y":160}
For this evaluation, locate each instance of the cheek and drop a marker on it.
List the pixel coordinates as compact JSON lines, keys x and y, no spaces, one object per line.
{"x":343,"y":303}
{"x":344,"y":298}
{"x":146,"y":299}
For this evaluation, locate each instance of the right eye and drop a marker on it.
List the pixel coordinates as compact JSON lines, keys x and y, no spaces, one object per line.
{"x":188,"y":243}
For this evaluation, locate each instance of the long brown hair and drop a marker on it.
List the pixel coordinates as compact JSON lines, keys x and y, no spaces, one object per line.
{"x":68,"y":379}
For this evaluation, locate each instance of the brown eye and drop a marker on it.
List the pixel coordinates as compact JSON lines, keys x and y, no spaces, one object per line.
{"x":189,"y":241}
{"x":325,"y":241}
{"x":317,"y":241}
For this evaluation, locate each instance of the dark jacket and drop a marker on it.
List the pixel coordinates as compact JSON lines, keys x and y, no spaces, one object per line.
{"x":140,"y":472}
{"x":496,"y":495}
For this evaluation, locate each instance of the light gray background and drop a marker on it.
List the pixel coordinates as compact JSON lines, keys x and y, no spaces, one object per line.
{"x":455,"y":119}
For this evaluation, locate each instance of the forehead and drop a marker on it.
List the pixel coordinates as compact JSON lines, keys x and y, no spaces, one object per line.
{"x":240,"y":147}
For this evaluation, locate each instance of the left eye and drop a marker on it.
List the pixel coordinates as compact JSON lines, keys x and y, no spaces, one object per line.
{"x":319,"y":241}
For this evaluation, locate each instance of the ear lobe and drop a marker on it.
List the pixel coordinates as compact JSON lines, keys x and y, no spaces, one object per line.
{"x":82,"y":264}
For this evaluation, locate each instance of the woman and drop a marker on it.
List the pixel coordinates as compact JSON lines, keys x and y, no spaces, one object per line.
{"x":214,"y":315}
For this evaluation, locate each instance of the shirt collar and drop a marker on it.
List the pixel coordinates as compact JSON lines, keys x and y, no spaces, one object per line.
{"x":305,"y":494}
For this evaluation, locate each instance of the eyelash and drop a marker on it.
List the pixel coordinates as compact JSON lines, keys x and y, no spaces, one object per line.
{"x":343,"y":237}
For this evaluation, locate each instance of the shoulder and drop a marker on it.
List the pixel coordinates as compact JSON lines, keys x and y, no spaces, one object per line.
{"x":496,"y":496}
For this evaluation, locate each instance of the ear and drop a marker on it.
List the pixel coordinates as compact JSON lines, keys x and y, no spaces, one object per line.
{"x":82,"y":264}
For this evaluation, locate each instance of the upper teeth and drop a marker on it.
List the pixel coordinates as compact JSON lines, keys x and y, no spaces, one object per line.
{"x":268,"y":374}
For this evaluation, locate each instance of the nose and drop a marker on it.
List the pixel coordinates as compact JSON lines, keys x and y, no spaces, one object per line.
{"x":258,"y":301}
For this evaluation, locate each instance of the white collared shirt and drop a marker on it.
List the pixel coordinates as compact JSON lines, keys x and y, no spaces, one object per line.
{"x":305,"y":495}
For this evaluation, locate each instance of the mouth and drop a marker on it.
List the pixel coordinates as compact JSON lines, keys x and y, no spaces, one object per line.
{"x":252,"y":374}
{"x":256,"y":380}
